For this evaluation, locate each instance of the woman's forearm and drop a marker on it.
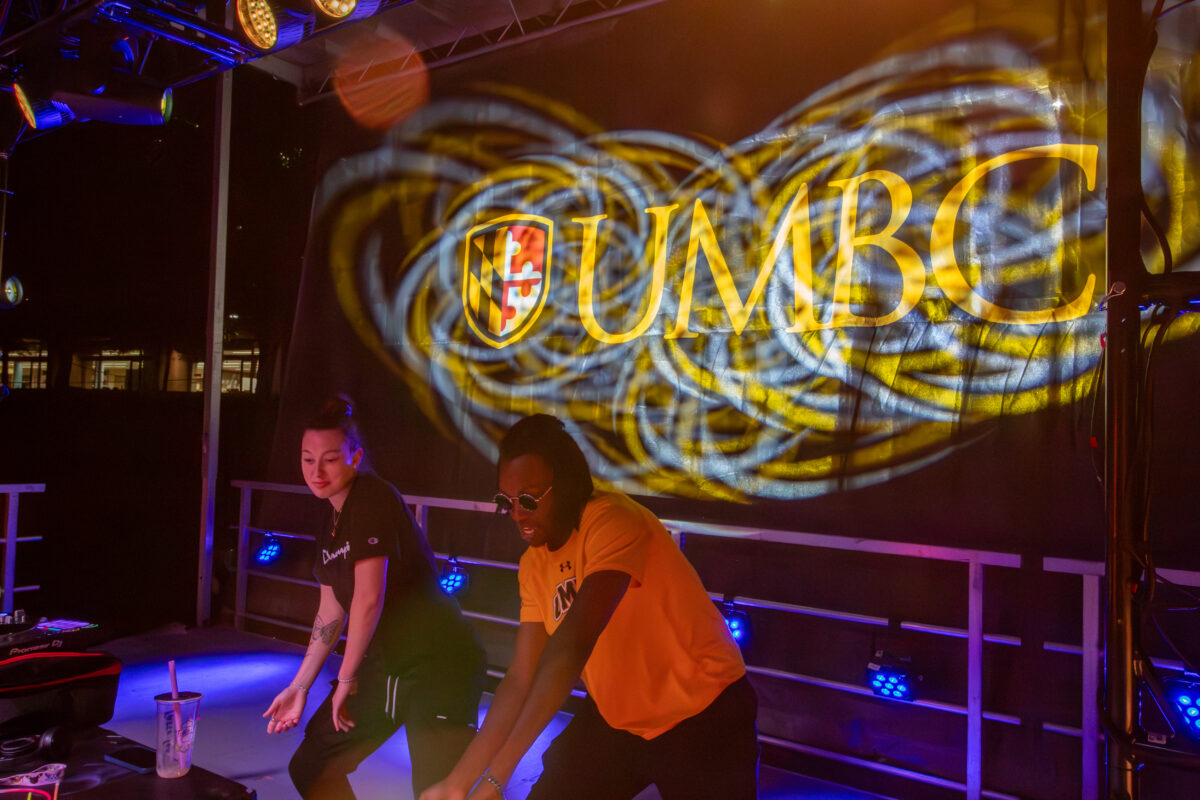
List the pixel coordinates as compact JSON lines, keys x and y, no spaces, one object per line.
{"x":325,"y":632}
{"x":364,"y":617}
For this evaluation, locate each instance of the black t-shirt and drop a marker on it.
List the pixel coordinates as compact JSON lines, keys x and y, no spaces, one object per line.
{"x":418,"y":620}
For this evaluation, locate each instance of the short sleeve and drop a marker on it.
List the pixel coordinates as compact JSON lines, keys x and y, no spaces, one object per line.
{"x":616,"y":537}
{"x":377,"y":517}
{"x":530,"y":612}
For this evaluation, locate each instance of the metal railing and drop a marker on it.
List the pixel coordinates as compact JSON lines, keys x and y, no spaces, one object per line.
{"x":12,"y":493}
{"x":975,"y":561}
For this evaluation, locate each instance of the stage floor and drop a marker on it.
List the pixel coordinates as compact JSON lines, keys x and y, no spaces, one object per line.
{"x":239,"y":673}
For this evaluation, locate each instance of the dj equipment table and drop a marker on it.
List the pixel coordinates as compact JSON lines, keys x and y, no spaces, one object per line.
{"x":48,"y":635}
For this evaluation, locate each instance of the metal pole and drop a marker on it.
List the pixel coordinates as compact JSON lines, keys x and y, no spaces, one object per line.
{"x":1125,"y":48}
{"x":216,"y":334}
{"x":1090,"y":739}
{"x":10,"y":550}
{"x":975,"y":680}
{"x":3,"y":204}
{"x":243,"y":555}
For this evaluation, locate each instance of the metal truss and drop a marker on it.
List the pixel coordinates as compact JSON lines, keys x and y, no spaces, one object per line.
{"x":174,"y":44}
{"x":438,"y":34}
{"x":170,"y":42}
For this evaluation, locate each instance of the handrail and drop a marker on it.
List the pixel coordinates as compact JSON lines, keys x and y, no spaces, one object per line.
{"x":830,"y":542}
{"x":12,"y":493}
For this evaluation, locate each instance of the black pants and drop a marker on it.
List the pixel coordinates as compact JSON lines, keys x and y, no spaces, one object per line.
{"x":711,"y":756}
{"x":382,"y":704}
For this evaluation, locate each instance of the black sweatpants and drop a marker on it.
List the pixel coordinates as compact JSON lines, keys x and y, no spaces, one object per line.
{"x":712,"y":755}
{"x":382,"y":704}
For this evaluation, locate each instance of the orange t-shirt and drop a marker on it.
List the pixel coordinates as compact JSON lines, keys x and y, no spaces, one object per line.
{"x":666,"y":653}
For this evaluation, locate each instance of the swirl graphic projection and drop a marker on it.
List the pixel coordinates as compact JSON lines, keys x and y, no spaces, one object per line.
{"x":843,"y":296}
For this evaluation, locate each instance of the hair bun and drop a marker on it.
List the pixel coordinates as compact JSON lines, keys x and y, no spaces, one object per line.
{"x":340,"y":404}
{"x":337,"y":413}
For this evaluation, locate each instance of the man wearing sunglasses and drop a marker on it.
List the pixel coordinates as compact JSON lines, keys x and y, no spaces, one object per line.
{"x":607,"y":595}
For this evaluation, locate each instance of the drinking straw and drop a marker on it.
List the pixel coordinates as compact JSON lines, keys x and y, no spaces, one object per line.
{"x":175,"y":707}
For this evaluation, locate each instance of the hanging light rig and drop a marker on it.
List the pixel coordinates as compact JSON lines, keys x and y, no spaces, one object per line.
{"x":92,"y":72}
{"x":271,"y":25}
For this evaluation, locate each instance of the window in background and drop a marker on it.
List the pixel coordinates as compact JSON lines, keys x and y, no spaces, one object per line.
{"x":239,"y":370}
{"x":25,"y":367}
{"x":107,"y":369}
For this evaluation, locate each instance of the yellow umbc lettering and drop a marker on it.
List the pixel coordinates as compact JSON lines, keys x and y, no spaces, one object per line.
{"x":946,"y":270}
{"x":795,"y":225}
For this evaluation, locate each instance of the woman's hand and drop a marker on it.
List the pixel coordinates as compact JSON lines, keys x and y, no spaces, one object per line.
{"x":286,"y":710}
{"x":444,"y":790}
{"x":341,"y":717}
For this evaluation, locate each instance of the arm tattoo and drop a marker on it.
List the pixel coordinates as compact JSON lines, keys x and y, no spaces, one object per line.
{"x":326,"y":632}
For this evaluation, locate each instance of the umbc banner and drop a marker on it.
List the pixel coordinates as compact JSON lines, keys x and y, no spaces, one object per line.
{"x":843,"y":296}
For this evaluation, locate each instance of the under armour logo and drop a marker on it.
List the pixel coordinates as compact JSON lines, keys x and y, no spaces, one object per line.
{"x":563,"y":567}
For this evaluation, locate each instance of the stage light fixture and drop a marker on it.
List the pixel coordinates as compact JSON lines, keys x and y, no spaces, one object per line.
{"x":14,"y":292}
{"x":738,"y":623}
{"x":68,"y":91}
{"x":270,"y":550}
{"x":123,"y":100}
{"x":347,"y":10}
{"x":273,"y":26}
{"x":891,"y":676}
{"x":454,"y":577}
{"x":1185,"y":695}
{"x":40,"y":113}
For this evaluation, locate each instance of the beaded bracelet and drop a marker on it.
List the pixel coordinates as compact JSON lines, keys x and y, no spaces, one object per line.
{"x":300,"y":686}
{"x":496,"y":785}
{"x":347,"y":680}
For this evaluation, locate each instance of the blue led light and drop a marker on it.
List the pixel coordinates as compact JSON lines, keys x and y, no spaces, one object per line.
{"x":454,"y":578}
{"x":737,"y":622}
{"x":269,"y":552}
{"x":888,"y":676}
{"x":1184,"y":693}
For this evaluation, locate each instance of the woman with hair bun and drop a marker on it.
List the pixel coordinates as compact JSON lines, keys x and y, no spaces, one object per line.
{"x":410,"y":659}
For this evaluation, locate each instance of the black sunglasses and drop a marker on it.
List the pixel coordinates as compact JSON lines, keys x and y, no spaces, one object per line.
{"x":505,"y":504}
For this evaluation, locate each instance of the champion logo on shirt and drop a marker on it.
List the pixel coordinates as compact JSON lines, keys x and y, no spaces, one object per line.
{"x":372,"y":540}
{"x":341,"y":552}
